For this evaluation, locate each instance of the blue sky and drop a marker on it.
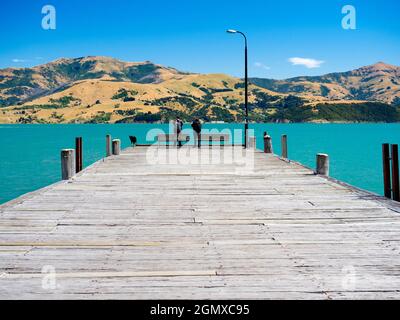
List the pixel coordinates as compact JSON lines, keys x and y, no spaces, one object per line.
{"x":190,"y":35}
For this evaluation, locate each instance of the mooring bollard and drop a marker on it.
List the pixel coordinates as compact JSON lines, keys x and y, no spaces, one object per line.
{"x":67,"y":164}
{"x":322,"y":164}
{"x":78,"y":155}
{"x":108,"y":145}
{"x":268,"y":144}
{"x":116,"y":147}
{"x":395,"y":172}
{"x":284,"y":147}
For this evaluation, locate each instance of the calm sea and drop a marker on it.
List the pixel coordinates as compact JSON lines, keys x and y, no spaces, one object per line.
{"x":30,"y":154}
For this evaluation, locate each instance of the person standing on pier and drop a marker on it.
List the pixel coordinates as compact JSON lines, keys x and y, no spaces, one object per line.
{"x":178,"y":129}
{"x":196,"y":125}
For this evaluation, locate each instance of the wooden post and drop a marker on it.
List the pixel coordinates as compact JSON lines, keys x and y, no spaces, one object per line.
{"x":386,"y":170}
{"x":222,"y":141}
{"x":395,"y":173}
{"x":78,"y":155}
{"x":67,"y":164}
{"x":108,"y":145}
{"x":322,"y":164}
{"x":268,"y":144}
{"x":116,"y":147}
{"x":284,"y":147}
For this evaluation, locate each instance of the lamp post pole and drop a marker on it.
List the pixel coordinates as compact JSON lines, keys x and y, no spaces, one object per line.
{"x":246,"y":86}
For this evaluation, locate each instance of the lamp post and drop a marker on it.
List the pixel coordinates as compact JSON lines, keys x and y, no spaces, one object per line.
{"x":246,"y":101}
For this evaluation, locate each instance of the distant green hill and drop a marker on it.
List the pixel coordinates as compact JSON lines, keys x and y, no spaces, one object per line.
{"x":362,"y":112}
{"x":378,"y":82}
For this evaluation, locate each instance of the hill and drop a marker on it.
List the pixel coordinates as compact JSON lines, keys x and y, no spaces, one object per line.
{"x":106,"y":90}
{"x":379,"y":82}
{"x":20,"y":85}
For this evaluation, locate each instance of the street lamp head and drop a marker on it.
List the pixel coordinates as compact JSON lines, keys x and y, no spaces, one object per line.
{"x":231,"y":31}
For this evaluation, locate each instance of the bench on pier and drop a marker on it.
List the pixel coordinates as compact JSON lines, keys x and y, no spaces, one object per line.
{"x":167,"y":138}
{"x":211,"y":138}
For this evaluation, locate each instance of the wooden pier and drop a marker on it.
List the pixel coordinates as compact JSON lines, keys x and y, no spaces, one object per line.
{"x":128,"y":229}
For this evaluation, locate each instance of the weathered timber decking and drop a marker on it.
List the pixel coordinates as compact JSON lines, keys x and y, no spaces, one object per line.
{"x":125,"y":229}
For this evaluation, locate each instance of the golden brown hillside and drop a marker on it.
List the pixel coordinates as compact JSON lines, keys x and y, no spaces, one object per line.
{"x":105,"y":90}
{"x":23,"y":84}
{"x":89,"y":100}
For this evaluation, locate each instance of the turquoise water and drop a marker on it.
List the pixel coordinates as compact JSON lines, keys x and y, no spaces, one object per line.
{"x":30,"y":154}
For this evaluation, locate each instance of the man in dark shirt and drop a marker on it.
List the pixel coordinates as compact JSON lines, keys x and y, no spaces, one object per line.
{"x":196,"y":125}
